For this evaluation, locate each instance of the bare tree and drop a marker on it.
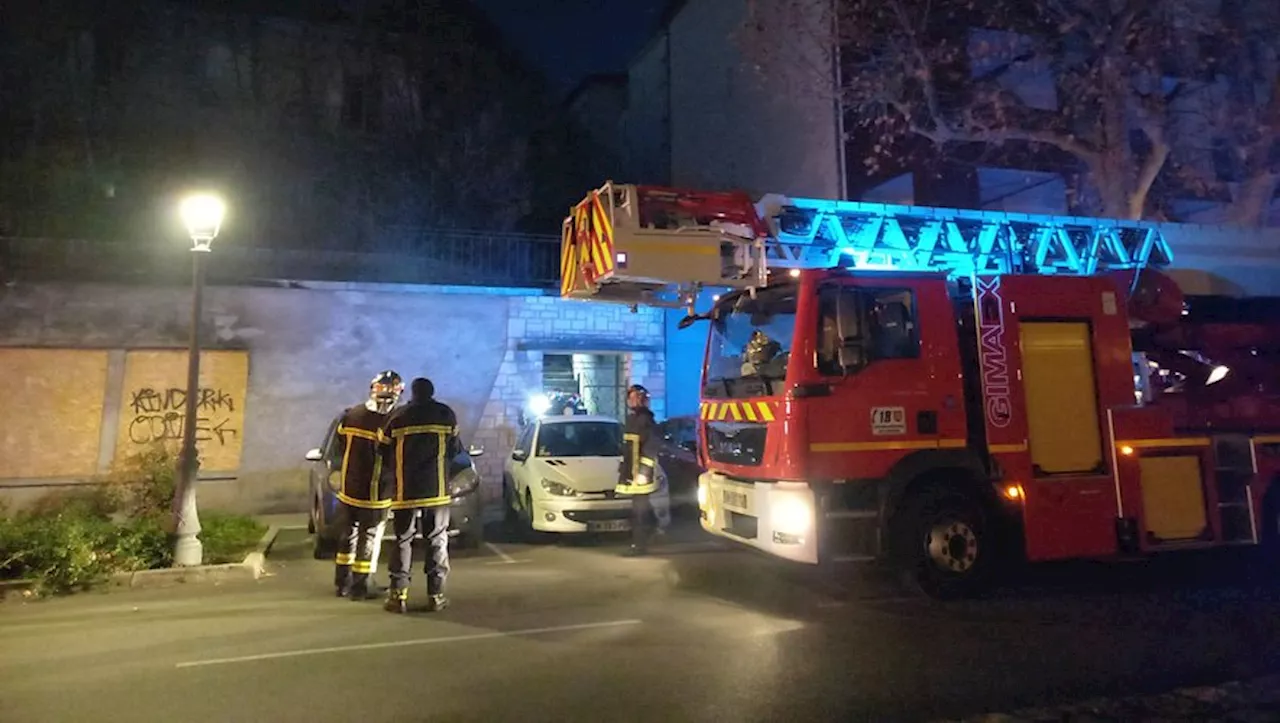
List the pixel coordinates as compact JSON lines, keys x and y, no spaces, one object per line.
{"x":1109,"y":86}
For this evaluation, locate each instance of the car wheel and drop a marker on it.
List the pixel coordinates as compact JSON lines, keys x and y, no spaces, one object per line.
{"x":511,"y":515}
{"x":324,"y":548}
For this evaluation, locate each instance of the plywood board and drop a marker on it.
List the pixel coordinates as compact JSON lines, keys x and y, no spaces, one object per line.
{"x":51,"y":401}
{"x":153,"y":398}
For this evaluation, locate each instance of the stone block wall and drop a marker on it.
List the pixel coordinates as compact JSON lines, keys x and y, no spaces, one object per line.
{"x":312,"y":349}
{"x":538,"y":325}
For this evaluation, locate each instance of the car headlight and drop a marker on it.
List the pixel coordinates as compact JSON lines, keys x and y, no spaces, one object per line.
{"x":464,"y":482}
{"x":792,"y":516}
{"x":558,"y":489}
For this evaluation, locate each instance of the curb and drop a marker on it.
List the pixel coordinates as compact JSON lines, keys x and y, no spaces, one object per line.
{"x":251,"y":568}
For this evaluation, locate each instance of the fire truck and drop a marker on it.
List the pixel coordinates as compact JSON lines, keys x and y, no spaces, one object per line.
{"x":947,"y":390}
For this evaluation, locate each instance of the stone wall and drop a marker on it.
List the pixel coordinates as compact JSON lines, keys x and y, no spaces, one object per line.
{"x":313,"y":348}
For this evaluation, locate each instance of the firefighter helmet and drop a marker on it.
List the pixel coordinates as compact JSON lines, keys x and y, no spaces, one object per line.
{"x":385,"y":390}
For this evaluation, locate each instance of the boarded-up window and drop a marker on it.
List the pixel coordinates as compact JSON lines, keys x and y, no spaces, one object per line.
{"x":51,"y":401}
{"x":153,"y":398}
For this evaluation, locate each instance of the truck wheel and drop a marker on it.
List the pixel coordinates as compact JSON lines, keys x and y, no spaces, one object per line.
{"x":944,"y":546}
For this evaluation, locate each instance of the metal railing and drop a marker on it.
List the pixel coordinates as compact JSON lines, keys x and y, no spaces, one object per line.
{"x":446,"y":257}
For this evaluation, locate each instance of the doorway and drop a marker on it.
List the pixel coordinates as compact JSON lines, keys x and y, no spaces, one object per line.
{"x":598,"y":379}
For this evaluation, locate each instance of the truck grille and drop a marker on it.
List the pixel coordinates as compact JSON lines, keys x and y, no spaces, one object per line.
{"x":736,"y":443}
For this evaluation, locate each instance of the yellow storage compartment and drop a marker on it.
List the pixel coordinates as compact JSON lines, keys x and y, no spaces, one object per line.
{"x":1173,"y":496}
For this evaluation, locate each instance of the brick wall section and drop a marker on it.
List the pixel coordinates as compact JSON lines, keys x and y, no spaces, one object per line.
{"x":543,"y":321}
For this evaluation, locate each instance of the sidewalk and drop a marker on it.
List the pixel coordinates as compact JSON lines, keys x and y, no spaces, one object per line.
{"x":1254,"y":701}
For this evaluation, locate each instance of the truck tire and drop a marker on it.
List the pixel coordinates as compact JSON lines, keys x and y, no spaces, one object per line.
{"x":943,"y":545}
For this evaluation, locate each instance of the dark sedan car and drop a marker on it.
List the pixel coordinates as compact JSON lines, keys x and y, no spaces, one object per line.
{"x":466,"y":519}
{"x":678,"y":455}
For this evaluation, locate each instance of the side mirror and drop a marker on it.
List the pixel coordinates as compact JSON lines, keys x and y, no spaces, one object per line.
{"x":519,"y":455}
{"x":315,"y":455}
{"x":475,"y":450}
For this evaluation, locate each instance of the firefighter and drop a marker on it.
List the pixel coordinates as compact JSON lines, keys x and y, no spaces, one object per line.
{"x":637,"y":475}
{"x":362,"y":497}
{"x":423,"y":440}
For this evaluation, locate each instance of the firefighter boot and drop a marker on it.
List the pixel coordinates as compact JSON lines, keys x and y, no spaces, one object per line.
{"x":397,"y":602}
{"x":437,"y":603}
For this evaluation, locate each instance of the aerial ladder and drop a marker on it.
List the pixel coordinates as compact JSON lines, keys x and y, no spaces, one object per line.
{"x":650,"y":245}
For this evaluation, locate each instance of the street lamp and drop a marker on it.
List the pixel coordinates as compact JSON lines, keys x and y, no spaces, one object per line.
{"x":202,"y":213}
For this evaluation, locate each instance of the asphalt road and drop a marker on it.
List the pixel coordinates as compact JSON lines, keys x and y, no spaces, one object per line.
{"x":573,"y":632}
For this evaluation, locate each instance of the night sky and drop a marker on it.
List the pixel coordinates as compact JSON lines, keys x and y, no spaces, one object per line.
{"x":570,"y":39}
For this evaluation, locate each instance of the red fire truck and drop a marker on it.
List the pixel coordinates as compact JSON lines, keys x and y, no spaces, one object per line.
{"x":943,"y":389}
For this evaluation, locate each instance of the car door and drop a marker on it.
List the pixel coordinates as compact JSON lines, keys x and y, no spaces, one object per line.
{"x":519,"y":469}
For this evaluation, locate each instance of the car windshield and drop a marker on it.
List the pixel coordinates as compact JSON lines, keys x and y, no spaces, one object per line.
{"x":751,"y":339}
{"x":580,"y":439}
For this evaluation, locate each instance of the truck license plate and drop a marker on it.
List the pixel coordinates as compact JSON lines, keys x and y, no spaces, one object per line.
{"x":735,"y":499}
{"x":609,"y":526}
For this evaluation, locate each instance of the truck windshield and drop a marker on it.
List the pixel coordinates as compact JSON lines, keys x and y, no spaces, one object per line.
{"x":751,"y":342}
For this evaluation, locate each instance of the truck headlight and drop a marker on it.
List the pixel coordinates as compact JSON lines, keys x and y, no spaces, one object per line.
{"x":792,"y":516}
{"x":558,"y":489}
{"x":702,"y":495}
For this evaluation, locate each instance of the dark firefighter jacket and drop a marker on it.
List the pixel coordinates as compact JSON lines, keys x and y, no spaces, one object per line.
{"x":422,"y":440}
{"x":360,"y":429}
{"x":638,"y":473}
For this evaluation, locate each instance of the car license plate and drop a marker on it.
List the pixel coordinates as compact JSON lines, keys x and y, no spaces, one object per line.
{"x":609,"y":526}
{"x":735,"y":499}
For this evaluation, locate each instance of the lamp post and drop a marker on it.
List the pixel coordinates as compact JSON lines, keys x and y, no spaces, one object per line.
{"x":202,"y":214}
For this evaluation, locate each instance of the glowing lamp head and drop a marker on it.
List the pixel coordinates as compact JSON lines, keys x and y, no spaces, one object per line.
{"x":539,"y":404}
{"x":203,"y":213}
{"x":1218,"y":374}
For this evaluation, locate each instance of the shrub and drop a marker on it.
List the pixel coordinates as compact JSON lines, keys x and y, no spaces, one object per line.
{"x":68,"y":540}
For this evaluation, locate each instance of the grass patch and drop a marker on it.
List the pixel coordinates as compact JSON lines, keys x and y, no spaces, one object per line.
{"x":228,"y":538}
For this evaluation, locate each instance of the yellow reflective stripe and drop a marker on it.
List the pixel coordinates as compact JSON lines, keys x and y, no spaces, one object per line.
{"x":1162,"y":443}
{"x":647,"y":460}
{"x":632,"y":489}
{"x":633,"y":440}
{"x":399,"y":468}
{"x":361,"y":433}
{"x":346,"y":457}
{"x":423,"y":429}
{"x":1005,"y":448}
{"x":1267,"y":439}
{"x":364,"y":566}
{"x":424,"y":502}
{"x":749,"y":409}
{"x":364,"y":504}
{"x":766,"y":411}
{"x":345,"y":558}
{"x":443,"y":487}
{"x":883,"y":446}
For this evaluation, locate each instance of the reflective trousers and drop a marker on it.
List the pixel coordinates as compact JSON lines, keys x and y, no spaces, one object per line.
{"x":642,"y":519}
{"x":434,"y":522}
{"x":360,"y":534}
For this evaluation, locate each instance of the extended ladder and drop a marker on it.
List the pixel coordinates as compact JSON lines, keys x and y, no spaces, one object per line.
{"x":652,"y":245}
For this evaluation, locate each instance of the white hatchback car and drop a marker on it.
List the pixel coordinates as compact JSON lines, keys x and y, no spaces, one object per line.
{"x":561,"y":475}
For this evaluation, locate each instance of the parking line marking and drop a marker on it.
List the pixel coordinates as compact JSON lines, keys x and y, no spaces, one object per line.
{"x":406,"y":643}
{"x":510,"y":562}
{"x":498,"y":551}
